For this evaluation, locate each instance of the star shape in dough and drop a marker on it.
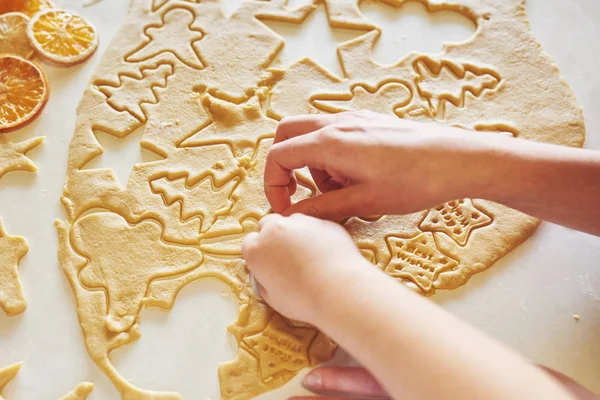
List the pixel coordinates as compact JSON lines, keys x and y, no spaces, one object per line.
{"x":12,"y":250}
{"x":124,"y":259}
{"x":418,"y":259}
{"x":281,"y":348}
{"x":457,"y":219}
{"x":12,"y":155}
{"x":240,"y":126}
{"x":300,"y":40}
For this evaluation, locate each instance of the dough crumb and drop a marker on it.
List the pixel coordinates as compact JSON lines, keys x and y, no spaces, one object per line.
{"x":576,"y":317}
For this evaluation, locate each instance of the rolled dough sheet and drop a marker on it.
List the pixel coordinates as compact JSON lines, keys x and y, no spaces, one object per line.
{"x":200,"y":85}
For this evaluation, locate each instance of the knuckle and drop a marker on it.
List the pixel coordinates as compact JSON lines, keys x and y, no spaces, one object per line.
{"x":249,"y":250}
{"x":275,"y":227}
{"x":332,"y":135}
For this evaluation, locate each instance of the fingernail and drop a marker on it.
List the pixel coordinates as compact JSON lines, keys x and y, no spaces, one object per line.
{"x":313,"y":380}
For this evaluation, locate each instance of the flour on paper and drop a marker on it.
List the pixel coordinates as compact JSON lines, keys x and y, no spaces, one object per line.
{"x":200,"y":85}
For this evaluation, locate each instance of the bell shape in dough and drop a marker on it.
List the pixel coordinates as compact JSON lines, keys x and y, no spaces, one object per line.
{"x":124,"y":259}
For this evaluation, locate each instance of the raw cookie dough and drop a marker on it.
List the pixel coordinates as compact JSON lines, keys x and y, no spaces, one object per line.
{"x":12,"y":155}
{"x":200,"y":85}
{"x":12,"y":250}
{"x":7,"y":374}
{"x":81,"y":391}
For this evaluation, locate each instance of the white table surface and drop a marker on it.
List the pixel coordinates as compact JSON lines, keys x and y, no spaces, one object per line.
{"x":527,"y":300}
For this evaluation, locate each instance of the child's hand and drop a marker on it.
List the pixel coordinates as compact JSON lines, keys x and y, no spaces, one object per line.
{"x":296,"y":258}
{"x":373,"y":164}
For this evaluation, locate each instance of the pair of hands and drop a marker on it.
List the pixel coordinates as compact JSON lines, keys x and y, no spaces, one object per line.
{"x":364,"y":164}
{"x":370,"y":164}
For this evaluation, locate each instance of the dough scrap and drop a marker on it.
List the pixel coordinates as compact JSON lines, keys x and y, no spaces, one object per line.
{"x":12,"y":250}
{"x":12,"y":155}
{"x":200,"y":85}
{"x":81,"y":391}
{"x":7,"y":374}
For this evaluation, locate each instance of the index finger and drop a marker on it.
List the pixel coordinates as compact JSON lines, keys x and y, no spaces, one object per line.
{"x":297,"y":125}
{"x":282,"y":160}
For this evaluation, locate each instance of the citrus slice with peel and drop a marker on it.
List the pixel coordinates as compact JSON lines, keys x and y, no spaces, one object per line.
{"x":63,"y":37}
{"x":27,"y":7}
{"x":23,"y":92}
{"x":13,"y":35}
{"x":11,"y":5}
{"x":33,"y":7}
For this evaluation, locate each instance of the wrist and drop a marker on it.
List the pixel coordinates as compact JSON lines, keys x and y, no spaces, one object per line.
{"x":339,"y":296}
{"x":484,"y":166}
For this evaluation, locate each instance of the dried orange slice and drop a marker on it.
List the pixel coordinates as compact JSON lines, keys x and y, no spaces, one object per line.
{"x":62,"y":37}
{"x":33,"y":7}
{"x":23,"y":92}
{"x":11,"y":5}
{"x":13,"y":35}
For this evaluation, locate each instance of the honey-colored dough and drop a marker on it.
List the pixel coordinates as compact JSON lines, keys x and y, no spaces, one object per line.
{"x":12,"y":250}
{"x":200,"y":85}
{"x":12,"y":155}
{"x":81,"y":391}
{"x":7,"y":374}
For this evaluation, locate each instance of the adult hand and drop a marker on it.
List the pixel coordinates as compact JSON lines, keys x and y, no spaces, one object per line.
{"x":371,"y":164}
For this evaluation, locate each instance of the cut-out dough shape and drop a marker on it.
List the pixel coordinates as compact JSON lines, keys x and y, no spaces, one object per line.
{"x":418,"y":259}
{"x":456,"y":219}
{"x":81,"y":391}
{"x":12,"y":250}
{"x":278,"y":350}
{"x":212,"y":120}
{"x":133,"y":92}
{"x":176,"y":35}
{"x":241,"y":126}
{"x":385,"y":99}
{"x":248,"y":198}
{"x":445,"y":81}
{"x":307,"y":80}
{"x":7,"y":374}
{"x":124,"y":259}
{"x":198,"y":200}
{"x":12,"y":155}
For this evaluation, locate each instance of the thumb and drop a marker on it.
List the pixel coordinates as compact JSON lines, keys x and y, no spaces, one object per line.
{"x":334,"y":205}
